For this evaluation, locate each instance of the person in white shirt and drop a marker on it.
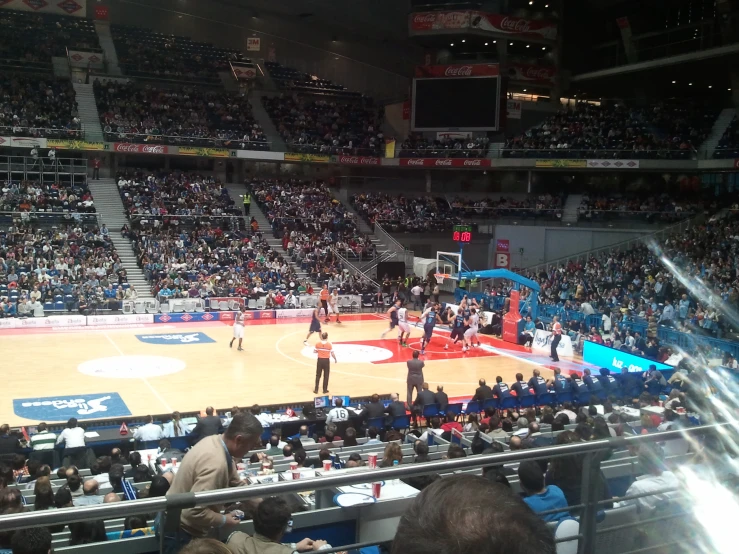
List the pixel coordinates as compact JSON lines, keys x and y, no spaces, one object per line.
{"x":435,"y":429}
{"x":655,"y":479}
{"x":338,"y":413}
{"x":416,"y":292}
{"x":73,"y":436}
{"x":176,"y":427}
{"x":148,"y":432}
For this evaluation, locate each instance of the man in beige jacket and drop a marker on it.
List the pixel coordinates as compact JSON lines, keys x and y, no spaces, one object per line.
{"x":211,"y":465}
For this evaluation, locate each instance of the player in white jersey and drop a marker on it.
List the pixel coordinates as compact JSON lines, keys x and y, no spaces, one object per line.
{"x":473,"y":323}
{"x":404,"y":328}
{"x":238,"y":327}
{"x":333,"y":304}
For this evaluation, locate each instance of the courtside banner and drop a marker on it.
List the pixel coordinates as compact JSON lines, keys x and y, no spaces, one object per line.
{"x":43,"y":322}
{"x":457,"y":70}
{"x":514,"y":26}
{"x":313,"y":158}
{"x":300,"y":312}
{"x":470,"y":163}
{"x":74,"y":144}
{"x":616,"y":360}
{"x":543,"y":343}
{"x":27,"y":142}
{"x":203,"y":152}
{"x":614,"y":164}
{"x":355,"y":160}
{"x":568,"y":164}
{"x":122,"y":319}
{"x":531,"y":73}
{"x":76,"y":8}
{"x":439,"y":21}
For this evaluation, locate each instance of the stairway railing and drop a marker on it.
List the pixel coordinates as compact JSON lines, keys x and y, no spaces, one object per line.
{"x":354,"y":269}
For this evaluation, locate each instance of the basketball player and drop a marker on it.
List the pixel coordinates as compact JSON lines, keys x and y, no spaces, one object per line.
{"x":238,"y":327}
{"x":430,"y":317}
{"x":404,"y":328}
{"x":324,"y":301}
{"x":333,"y":302}
{"x":315,"y":324}
{"x":325,"y":351}
{"x":473,"y":323}
{"x":458,"y":324}
{"x":392,"y":312}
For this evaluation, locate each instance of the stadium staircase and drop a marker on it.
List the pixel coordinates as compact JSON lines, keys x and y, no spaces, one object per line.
{"x":705,"y":152}
{"x":109,"y":205}
{"x":88,"y":112}
{"x":106,"y":43}
{"x":236,"y":191}
{"x":262,"y":117}
{"x":570,"y":210}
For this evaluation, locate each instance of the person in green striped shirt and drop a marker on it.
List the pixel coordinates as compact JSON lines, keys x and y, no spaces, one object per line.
{"x":43,"y":439}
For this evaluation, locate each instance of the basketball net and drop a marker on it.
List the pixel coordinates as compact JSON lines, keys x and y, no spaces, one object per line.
{"x":440,"y":277}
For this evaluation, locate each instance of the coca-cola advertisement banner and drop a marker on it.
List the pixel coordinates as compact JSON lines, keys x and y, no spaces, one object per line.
{"x":356,"y":160}
{"x":130,"y":148}
{"x":431,"y":22}
{"x":469,"y":163}
{"x":514,"y":26}
{"x":531,"y":73}
{"x":457,"y":70}
{"x":76,"y":8}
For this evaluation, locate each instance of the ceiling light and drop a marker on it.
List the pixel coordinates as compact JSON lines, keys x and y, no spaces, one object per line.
{"x":452,"y":44}
{"x":544,"y":48}
{"x":690,"y":84}
{"x":546,"y":5}
{"x":531,"y":2}
{"x":495,"y":41}
{"x":673,"y":82}
{"x":511,"y":44}
{"x":463,"y":40}
{"x":528,"y":46}
{"x":524,"y":90}
{"x":710,"y":86}
{"x":486,"y":44}
{"x":728,"y":88}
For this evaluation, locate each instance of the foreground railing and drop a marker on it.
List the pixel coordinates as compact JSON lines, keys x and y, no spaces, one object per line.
{"x":593,"y":453}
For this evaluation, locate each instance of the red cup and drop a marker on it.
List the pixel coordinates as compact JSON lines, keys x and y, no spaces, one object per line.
{"x":376,"y":488}
{"x":326,"y":465}
{"x":240,"y":467}
{"x":149,"y":457}
{"x":174,"y":462}
{"x":265,"y":466}
{"x":372,"y":460}
{"x":163,"y":461}
{"x":296,"y":474}
{"x":293,"y":466}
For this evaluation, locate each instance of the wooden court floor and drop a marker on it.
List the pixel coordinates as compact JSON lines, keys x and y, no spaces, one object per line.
{"x":188,"y":366}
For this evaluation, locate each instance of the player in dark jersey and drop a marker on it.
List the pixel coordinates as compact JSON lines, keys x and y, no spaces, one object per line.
{"x":429,"y":318}
{"x":315,"y":325}
{"x":393,"y":315}
{"x":457,"y":333}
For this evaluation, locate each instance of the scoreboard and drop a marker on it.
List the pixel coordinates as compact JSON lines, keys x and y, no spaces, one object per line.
{"x":462,"y":233}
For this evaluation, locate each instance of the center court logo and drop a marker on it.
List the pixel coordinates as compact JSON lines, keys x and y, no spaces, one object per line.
{"x":353,"y":353}
{"x":131,"y":367}
{"x":178,"y":338}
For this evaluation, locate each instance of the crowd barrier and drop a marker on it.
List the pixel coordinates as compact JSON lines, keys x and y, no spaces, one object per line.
{"x":229,"y":316}
{"x":73,"y":320}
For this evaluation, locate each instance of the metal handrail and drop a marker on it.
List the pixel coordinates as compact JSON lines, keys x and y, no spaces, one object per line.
{"x":240,"y":494}
{"x":593,"y":153}
{"x":164,"y":140}
{"x":359,"y":273}
{"x":389,"y":240}
{"x":62,"y":131}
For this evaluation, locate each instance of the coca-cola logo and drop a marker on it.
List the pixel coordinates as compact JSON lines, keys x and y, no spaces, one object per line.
{"x":348,"y":160}
{"x":458,"y":71}
{"x":444,"y":163}
{"x":515,"y":25}
{"x":126,"y":147}
{"x":421,"y":18}
{"x":154,"y":149}
{"x":140,"y":148}
{"x":415,"y":162}
{"x":537,"y":73}
{"x":473,"y":163}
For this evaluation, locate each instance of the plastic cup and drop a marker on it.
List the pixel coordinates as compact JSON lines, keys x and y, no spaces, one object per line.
{"x":296,"y":474}
{"x":372,"y":460}
{"x":163,"y":461}
{"x":293,"y":466}
{"x":376,"y":488}
{"x":149,"y":458}
{"x":240,"y":467}
{"x":174,"y":462}
{"x":327,"y":465}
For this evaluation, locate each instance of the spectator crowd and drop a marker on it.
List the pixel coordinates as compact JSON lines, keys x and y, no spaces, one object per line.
{"x":416,"y":146}
{"x":728,"y":145}
{"x":187,"y":116}
{"x":404,"y":214}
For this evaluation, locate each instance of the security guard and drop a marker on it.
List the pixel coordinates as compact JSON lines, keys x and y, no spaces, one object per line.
{"x":247,"y":203}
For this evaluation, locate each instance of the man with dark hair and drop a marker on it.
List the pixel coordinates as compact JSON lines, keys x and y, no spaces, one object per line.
{"x":272,"y":520}
{"x":211,"y":465}
{"x":501,"y":390}
{"x":74,"y":483}
{"x":539,"y":497}
{"x":372,"y":434}
{"x":442,"y":399}
{"x":414,"y":379}
{"x":374,"y":409}
{"x":483,"y":392}
{"x":455,"y":451}
{"x":495,"y":430}
{"x":8,"y":443}
{"x":43,"y":439}
{"x":116,"y":476}
{"x":209,"y":425}
{"x":438,"y":521}
{"x":520,"y":387}
{"x":167,"y":452}
{"x":338,"y":413}
{"x":34,"y":540}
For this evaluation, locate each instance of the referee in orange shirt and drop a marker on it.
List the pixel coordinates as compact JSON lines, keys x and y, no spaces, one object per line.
{"x":323,"y":364}
{"x":556,"y":337}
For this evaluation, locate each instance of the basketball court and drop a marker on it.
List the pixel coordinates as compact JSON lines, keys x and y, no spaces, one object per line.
{"x":157,"y":368}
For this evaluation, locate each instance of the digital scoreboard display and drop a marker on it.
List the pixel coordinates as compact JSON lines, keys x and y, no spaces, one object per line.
{"x":462,"y":233}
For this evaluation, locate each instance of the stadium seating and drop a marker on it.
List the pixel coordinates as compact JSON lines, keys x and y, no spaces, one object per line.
{"x":327,"y":125}
{"x":310,"y":221}
{"x":672,"y":130}
{"x":30,"y":40}
{"x":185,"y":116}
{"x":147,"y":54}
{"x":401,"y":214}
{"x":291,"y":79}
{"x":37,"y":106}
{"x":416,"y":146}
{"x":728,"y":146}
{"x":539,"y":206}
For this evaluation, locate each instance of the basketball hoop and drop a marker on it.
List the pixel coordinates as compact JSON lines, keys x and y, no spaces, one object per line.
{"x":440,"y":277}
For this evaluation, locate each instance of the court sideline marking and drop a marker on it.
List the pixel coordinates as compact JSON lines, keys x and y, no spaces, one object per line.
{"x":144,"y":379}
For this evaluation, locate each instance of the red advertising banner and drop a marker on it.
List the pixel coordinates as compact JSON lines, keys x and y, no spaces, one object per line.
{"x":445,"y":162}
{"x":514,"y":26}
{"x":244,"y":72}
{"x":406,"y":110}
{"x":102,"y":13}
{"x":425,"y":22}
{"x":531,"y":73}
{"x":357,"y":160}
{"x":86,"y":59}
{"x":130,"y":148}
{"x":502,"y":245}
{"x":458,"y":70}
{"x":429,"y":21}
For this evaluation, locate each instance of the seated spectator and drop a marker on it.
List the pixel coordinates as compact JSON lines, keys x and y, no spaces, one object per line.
{"x":416,"y":146}
{"x":87,"y":532}
{"x":149,"y":431}
{"x":271,"y":522}
{"x":393,"y":455}
{"x":91,"y":494}
{"x":437,"y":521}
{"x":43,"y":439}
{"x":540,"y":497}
{"x":656,"y":479}
{"x":401,"y":214}
{"x":33,"y":540}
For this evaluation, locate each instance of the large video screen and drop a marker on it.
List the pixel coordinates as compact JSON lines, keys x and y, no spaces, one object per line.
{"x":468,"y":104}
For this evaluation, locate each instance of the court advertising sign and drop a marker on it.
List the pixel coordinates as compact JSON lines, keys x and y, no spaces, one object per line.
{"x":543,"y":343}
{"x":81,"y":406}
{"x":176,"y":338}
{"x":615,"y":360}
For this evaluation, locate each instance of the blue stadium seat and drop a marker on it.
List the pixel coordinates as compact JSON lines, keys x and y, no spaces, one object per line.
{"x":490,"y":403}
{"x":528,"y":401}
{"x":376,"y":422}
{"x":509,"y":403}
{"x":48,"y":306}
{"x":59,"y":306}
{"x":564,"y":396}
{"x":473,"y":408}
{"x":546,"y":399}
{"x":402,"y":422}
{"x":456,"y":409}
{"x":430,"y":410}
